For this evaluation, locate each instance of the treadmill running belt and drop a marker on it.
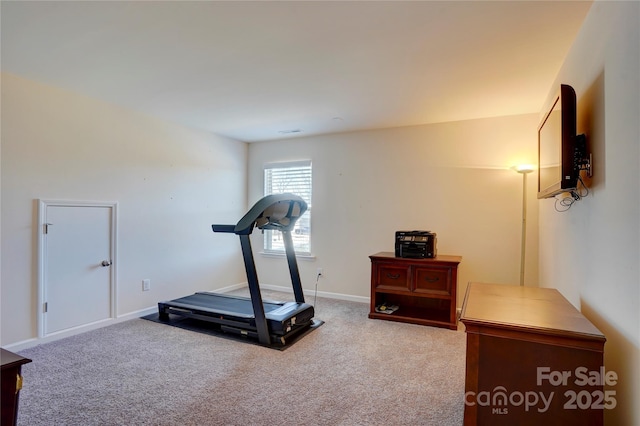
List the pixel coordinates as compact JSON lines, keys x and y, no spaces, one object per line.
{"x":221,"y":304}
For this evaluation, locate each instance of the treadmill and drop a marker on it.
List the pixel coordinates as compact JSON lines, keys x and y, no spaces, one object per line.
{"x":271,"y":323}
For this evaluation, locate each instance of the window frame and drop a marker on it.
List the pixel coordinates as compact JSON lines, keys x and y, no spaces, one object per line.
{"x":267,"y":247}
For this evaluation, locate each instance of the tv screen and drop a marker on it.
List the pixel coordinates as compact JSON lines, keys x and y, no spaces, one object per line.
{"x":557,"y":171}
{"x":550,"y":147}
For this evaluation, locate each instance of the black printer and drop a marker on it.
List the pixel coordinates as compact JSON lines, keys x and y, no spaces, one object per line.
{"x":416,"y":244}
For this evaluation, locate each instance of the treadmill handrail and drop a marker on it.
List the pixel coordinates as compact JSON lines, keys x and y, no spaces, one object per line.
{"x":223,"y":228}
{"x":275,"y":211}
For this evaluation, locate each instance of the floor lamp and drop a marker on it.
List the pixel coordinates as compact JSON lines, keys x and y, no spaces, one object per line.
{"x":524,"y":170}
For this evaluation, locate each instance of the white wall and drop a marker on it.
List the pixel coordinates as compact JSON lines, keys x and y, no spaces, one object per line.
{"x":451,"y":178}
{"x":170,"y":182}
{"x":591,"y":252}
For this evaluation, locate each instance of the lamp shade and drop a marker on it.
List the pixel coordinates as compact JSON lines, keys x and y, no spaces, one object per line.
{"x":524,"y":168}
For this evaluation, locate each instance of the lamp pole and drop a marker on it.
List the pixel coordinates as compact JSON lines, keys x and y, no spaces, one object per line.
{"x":524,"y":170}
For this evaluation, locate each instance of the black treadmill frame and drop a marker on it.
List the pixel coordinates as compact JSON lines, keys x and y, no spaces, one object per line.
{"x":267,"y":213}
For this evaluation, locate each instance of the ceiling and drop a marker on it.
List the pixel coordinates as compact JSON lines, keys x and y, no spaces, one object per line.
{"x":266,"y":70}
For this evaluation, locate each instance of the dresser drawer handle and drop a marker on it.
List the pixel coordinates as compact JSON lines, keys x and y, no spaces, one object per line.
{"x":393,"y":276}
{"x":431,"y":279}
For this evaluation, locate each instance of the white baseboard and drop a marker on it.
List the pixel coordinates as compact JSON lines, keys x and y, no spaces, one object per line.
{"x":311,"y":293}
{"x":307,"y":292}
{"x":26,"y":344}
{"x":230,"y":288}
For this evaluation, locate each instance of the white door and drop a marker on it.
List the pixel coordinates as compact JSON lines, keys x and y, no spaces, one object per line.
{"x":77,"y":265}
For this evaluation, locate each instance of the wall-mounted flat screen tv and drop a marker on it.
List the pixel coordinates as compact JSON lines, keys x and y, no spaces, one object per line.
{"x":558,"y":170}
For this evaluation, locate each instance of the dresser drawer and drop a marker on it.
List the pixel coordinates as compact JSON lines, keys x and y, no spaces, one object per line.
{"x":432,"y":280}
{"x":390,"y":277}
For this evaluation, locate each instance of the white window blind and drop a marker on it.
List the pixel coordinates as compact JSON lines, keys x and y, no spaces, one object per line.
{"x":294,"y":178}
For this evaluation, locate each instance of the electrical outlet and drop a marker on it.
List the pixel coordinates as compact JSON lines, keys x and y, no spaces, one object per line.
{"x":146,"y":285}
{"x":319,"y":272}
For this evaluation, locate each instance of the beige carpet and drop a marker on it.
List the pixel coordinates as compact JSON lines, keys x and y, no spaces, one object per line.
{"x":350,"y":371}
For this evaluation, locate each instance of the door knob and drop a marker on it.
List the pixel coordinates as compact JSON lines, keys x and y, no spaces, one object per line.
{"x":106,"y":263}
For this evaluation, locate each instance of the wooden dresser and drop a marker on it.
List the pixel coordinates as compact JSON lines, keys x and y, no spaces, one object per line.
{"x":11,"y":385}
{"x":424,"y":290}
{"x":532,"y":359}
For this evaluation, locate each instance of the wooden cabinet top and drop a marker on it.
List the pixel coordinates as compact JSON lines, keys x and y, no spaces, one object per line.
{"x":386,"y":255}
{"x":11,"y":360}
{"x":532,"y":309}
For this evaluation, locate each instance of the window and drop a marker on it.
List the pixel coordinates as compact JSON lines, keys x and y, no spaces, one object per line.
{"x":294,"y":178}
